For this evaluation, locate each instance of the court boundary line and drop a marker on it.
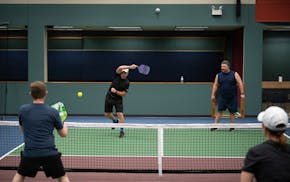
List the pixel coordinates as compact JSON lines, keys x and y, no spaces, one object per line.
{"x":287,"y":136}
{"x":122,"y":156}
{"x":8,"y":153}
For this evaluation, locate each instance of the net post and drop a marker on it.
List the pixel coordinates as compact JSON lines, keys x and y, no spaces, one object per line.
{"x":160,"y":150}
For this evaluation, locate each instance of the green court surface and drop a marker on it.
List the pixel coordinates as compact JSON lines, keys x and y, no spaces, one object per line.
{"x":186,"y":142}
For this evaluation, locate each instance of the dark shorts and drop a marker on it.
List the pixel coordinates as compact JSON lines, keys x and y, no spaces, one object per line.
{"x":228,"y":103}
{"x":110,"y":103}
{"x":51,"y":165}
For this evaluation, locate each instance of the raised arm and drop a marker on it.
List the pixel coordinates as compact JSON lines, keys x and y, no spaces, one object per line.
{"x":120,"y":68}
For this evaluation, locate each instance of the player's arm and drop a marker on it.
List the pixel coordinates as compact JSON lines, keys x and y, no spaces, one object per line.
{"x":240,"y":84}
{"x":246,"y":177}
{"x":214,"y":87}
{"x":63,"y":132}
{"x":120,"y":68}
{"x":120,"y":93}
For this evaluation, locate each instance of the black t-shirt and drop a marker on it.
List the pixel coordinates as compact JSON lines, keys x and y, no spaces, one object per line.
{"x":119,"y":84}
{"x":268,"y":162}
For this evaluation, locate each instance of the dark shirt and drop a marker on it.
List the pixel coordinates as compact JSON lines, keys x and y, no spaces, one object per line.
{"x":269,"y":162}
{"x":38,"y":122}
{"x":119,"y":84}
{"x":227,"y":84}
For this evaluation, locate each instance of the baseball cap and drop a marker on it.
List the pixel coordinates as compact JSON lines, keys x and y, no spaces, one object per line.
{"x":125,"y":70}
{"x":274,"y":118}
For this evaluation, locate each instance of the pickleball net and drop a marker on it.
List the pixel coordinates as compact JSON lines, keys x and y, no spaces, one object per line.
{"x":160,"y":148}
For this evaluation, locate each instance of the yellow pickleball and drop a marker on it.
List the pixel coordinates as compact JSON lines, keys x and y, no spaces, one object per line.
{"x":80,"y":94}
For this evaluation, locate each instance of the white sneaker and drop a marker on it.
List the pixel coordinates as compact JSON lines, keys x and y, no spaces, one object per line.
{"x":237,"y":115}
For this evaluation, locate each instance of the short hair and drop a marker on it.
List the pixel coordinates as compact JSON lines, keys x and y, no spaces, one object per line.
{"x":226,"y":62}
{"x":37,"y":90}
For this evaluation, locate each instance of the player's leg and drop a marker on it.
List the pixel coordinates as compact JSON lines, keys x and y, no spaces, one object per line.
{"x":28,"y":167}
{"x":18,"y":178}
{"x":53,"y":167}
{"x":232,"y":117}
{"x":119,"y":110}
{"x":109,"y":115}
{"x":121,"y":121}
{"x":109,"y":104}
{"x":63,"y":179}
{"x":233,"y":108}
{"x":221,"y":108}
{"x":218,"y":117}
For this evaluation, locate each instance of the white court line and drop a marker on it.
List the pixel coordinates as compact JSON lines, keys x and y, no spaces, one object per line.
{"x":188,"y":157}
{"x":287,"y":136}
{"x":3,"y":156}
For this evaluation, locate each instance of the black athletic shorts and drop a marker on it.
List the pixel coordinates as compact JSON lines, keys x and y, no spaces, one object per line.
{"x":51,"y":165}
{"x":228,"y":103}
{"x":110,"y":103}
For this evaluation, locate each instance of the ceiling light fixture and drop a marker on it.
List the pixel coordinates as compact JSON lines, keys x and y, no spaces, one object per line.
{"x":190,"y":28}
{"x":126,"y":28}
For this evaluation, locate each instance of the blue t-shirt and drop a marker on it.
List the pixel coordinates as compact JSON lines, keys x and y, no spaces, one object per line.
{"x":38,"y":122}
{"x":227,"y":85}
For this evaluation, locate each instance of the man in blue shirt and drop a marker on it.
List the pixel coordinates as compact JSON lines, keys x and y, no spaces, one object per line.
{"x":37,"y":121}
{"x":226,"y":83}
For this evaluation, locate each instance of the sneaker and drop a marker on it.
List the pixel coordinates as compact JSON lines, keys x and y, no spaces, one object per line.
{"x":115,"y":121}
{"x":213,"y":129}
{"x":232,"y":129}
{"x":122,"y":134}
{"x":237,"y":115}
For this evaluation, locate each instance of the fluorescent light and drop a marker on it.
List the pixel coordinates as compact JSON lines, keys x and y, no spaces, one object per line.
{"x":3,"y":26}
{"x":66,"y":28}
{"x":63,"y":27}
{"x":126,"y":28}
{"x":277,"y":28}
{"x":280,"y":29}
{"x":286,"y":27}
{"x":190,"y":28}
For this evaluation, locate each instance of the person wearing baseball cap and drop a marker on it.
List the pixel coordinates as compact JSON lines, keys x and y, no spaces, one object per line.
{"x":114,"y":97}
{"x":270,"y":160}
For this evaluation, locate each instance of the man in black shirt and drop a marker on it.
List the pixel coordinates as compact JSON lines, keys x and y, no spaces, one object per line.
{"x":225,"y":85}
{"x":114,"y":98}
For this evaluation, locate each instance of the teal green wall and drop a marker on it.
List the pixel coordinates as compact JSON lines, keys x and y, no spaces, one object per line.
{"x":142,"y":43}
{"x":276,"y":53}
{"x":143,"y":99}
